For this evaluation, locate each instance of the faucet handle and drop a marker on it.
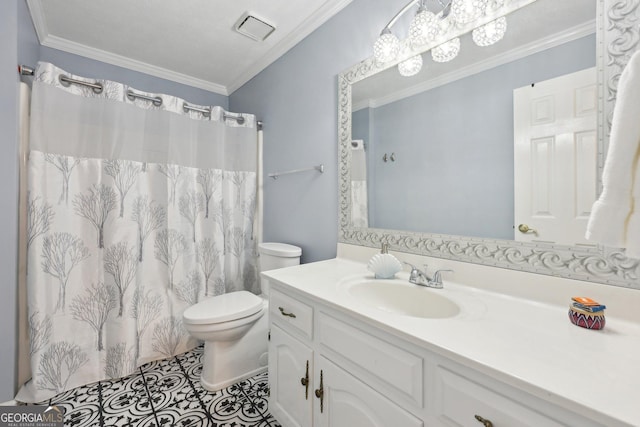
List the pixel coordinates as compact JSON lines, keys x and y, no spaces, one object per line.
{"x":416,"y":276}
{"x":413,"y":267}
{"x":437,"y":276}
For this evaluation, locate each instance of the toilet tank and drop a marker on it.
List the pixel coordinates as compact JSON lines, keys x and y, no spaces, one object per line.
{"x":276,"y":255}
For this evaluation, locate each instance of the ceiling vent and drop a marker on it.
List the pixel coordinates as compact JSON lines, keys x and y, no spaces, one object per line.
{"x":254,"y":28}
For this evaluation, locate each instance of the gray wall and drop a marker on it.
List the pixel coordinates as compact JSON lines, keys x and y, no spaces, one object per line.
{"x":454,"y":148}
{"x":8,"y":194}
{"x":360,"y":125}
{"x":296,"y":97}
{"x":28,"y":45}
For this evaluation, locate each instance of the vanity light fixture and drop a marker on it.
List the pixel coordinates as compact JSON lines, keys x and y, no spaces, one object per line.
{"x":387,"y":46}
{"x":446,"y":51}
{"x":428,"y":26}
{"x":424,"y":28}
{"x":411,"y":66}
{"x":490,"y":33}
{"x":467,"y":11}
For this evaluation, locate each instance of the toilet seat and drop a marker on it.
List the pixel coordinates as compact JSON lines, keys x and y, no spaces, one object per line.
{"x":223,"y":308}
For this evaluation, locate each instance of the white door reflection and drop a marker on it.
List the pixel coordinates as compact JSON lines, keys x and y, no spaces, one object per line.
{"x":555,"y":158}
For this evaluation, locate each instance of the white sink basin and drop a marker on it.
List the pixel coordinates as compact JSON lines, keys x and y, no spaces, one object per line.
{"x":399,"y":297}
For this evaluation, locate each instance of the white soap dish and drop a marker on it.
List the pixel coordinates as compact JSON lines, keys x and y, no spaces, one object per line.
{"x":384,"y":266}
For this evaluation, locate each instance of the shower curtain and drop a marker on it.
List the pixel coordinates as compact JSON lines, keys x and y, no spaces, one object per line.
{"x":359,"y":204}
{"x":135,"y":212}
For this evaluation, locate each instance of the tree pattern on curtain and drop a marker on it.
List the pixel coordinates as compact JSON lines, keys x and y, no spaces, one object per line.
{"x":118,"y":249}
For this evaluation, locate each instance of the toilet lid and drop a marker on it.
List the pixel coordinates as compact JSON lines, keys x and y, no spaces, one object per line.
{"x":280,"y":249}
{"x":223,"y":308}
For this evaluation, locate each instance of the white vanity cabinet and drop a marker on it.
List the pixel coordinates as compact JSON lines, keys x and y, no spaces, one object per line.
{"x":290,"y":360}
{"x":308,"y":388}
{"x":328,"y":367}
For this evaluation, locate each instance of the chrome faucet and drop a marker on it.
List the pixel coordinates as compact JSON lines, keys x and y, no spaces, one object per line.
{"x":419,"y":277}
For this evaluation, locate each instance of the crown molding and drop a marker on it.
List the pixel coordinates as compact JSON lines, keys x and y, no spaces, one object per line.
{"x":46,"y":39}
{"x":37,"y":16}
{"x":323,"y":14}
{"x":311,"y":24}
{"x":554,"y":40}
{"x":131,"y":64}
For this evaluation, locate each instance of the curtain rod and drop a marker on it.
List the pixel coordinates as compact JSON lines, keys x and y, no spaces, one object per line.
{"x":156,"y":100}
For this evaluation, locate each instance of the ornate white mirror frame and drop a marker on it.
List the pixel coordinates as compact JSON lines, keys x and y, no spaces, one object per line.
{"x":618,"y":37}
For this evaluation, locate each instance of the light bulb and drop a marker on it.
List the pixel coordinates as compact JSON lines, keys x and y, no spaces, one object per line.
{"x":387,"y":47}
{"x":446,"y":51}
{"x":465,"y":11}
{"x":496,"y":4}
{"x":411,"y":66}
{"x":490,"y":33}
{"x":423,"y":28}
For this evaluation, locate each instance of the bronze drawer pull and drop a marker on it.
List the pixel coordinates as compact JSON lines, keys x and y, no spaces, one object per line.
{"x":305,"y":382}
{"x":284,"y":313}
{"x":484,"y":421}
{"x":320,"y":393}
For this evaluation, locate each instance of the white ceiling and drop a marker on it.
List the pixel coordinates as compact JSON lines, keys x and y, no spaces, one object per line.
{"x":187,"y":41}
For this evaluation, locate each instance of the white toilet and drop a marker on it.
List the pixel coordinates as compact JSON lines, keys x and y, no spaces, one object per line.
{"x":234,"y":326}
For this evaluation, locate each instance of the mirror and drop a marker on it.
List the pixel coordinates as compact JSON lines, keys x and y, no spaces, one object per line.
{"x":451,"y":132}
{"x":438,"y":180}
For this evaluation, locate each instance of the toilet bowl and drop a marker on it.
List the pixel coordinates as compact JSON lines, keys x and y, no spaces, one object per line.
{"x":234,"y":326}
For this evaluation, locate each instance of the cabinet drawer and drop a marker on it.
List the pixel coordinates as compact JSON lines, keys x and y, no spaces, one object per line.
{"x":460,"y":400}
{"x":383,"y":364}
{"x":292,"y":314}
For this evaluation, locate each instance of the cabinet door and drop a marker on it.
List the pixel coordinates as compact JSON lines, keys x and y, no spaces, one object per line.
{"x":347,"y":402}
{"x":290,"y":401}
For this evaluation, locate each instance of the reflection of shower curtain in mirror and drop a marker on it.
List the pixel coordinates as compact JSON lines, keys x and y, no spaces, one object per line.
{"x":135,"y":212}
{"x":359,"y":204}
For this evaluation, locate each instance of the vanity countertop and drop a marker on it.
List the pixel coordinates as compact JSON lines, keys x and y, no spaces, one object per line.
{"x":527,"y":344}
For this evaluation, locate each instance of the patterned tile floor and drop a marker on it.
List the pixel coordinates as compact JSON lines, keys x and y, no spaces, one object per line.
{"x":167,"y":393}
